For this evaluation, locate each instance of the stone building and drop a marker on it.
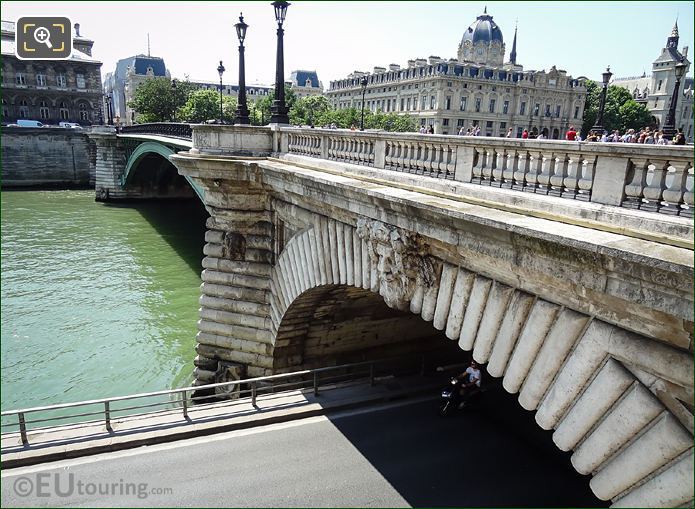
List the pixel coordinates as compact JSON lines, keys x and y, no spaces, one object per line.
{"x":656,"y":89}
{"x":305,"y":83}
{"x":120,"y":85}
{"x":51,"y":91}
{"x":476,"y":89}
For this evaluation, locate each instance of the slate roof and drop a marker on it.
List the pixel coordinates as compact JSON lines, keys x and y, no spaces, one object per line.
{"x":300,"y":77}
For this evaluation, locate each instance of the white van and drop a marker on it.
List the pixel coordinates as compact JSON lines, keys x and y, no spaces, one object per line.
{"x":73,"y":125}
{"x":29,"y":123}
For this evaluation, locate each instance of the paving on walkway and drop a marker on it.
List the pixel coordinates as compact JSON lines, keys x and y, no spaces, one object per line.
{"x":70,"y":441}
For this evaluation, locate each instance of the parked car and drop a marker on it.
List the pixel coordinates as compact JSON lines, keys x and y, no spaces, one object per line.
{"x":29,"y":123}
{"x":72,"y":125}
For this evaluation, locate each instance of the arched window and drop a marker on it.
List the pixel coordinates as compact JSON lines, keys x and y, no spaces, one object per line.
{"x":84,"y":114}
{"x":5,"y":110}
{"x":43,"y":110}
{"x":23,"y":109}
{"x":64,"y":112}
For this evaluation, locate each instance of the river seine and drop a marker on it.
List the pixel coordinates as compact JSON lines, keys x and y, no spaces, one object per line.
{"x":98,"y":300}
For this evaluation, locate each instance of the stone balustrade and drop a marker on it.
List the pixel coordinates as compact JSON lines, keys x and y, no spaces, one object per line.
{"x":647,"y":177}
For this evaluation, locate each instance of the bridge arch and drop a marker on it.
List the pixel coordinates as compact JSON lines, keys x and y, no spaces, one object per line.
{"x":146,"y":150}
{"x":614,"y":398}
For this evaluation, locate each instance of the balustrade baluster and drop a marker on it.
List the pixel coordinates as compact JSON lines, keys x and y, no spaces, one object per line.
{"x":543,"y":177}
{"x":508,"y":171}
{"x":687,"y":204}
{"x":586,"y":181}
{"x":498,"y":170}
{"x":558,"y":175}
{"x":520,"y":172}
{"x":479,"y":162}
{"x":370,"y":147}
{"x":412,"y":158}
{"x":637,"y":177}
{"x":675,"y":183}
{"x":535,"y":165}
{"x":451,"y":162}
{"x":656,"y":174}
{"x":432,"y":162}
{"x":571,"y":181}
{"x":487,"y":167}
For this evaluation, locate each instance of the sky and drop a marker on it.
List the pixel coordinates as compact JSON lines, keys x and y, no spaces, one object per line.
{"x":336,"y":38}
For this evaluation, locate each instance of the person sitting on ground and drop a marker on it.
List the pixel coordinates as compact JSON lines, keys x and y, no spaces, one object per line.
{"x":471,"y":381}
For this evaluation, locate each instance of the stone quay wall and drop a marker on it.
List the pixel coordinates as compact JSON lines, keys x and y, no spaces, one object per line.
{"x":46,"y":157}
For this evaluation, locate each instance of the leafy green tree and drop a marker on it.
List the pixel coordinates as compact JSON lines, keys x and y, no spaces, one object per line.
{"x":621,"y":112}
{"x":204,"y":105}
{"x":309,"y":110}
{"x":155,"y":100}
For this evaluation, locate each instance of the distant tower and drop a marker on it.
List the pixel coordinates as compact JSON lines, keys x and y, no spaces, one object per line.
{"x":672,"y":42}
{"x":512,"y":55}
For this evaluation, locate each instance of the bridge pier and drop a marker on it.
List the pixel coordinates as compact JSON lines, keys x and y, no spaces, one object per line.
{"x":110,"y":164}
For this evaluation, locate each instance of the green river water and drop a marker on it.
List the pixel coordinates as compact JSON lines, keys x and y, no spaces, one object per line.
{"x":98,"y":300}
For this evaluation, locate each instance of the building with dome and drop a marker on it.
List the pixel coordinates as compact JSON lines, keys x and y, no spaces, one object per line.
{"x":479,"y":88}
{"x":656,"y":89}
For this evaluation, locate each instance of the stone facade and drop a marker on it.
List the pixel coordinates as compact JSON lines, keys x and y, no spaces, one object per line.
{"x":475,"y":89}
{"x":305,"y":83}
{"x":51,"y":91}
{"x":655,"y":90}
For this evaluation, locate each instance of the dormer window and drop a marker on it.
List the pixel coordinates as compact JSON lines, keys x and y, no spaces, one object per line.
{"x":79,"y":78}
{"x":307,"y":83}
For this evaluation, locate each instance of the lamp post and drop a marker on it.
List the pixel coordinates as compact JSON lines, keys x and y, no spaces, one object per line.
{"x":599,"y":119}
{"x":242,"y":111}
{"x":363,"y":83}
{"x":670,"y":124}
{"x":174,"y":87}
{"x":279,"y":109}
{"x":220,"y":71}
{"x":109,"y":111}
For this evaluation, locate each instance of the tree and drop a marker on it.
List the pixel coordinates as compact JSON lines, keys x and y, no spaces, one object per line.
{"x":154,"y":100}
{"x":621,"y":112}
{"x":204,"y":105}
{"x":309,"y":110}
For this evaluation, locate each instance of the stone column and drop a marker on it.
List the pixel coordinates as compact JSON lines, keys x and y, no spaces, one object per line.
{"x":235,"y":332}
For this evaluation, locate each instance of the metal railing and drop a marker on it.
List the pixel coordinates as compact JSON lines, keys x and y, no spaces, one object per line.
{"x":313,"y":379}
{"x":170,"y":129}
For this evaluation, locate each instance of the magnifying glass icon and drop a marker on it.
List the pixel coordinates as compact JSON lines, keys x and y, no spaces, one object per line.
{"x":43,"y":36}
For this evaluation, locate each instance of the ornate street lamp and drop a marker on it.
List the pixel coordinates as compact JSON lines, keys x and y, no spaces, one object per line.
{"x":242,"y":111}
{"x":220,"y":71}
{"x":109,"y":110}
{"x":363,"y":83}
{"x":279,"y":109}
{"x":598,"y":127}
{"x":670,"y":124}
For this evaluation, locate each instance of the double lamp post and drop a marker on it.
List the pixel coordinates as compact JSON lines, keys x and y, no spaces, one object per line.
{"x":278,"y":109}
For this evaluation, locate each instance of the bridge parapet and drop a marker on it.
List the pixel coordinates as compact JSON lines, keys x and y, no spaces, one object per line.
{"x":647,"y":177}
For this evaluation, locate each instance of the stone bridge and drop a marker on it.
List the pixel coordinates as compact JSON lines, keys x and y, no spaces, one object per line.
{"x":565,"y":268}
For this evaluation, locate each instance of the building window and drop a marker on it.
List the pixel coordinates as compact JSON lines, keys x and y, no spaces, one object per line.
{"x":43,"y":110}
{"x":445,"y":122}
{"x":492,"y":105}
{"x":61,"y":80}
{"x":63,"y":111}
{"x":505,"y":107}
{"x":460,"y":122}
{"x":519,"y":132}
{"x":477,"y":104}
{"x":402,"y":104}
{"x":576,"y":112}
{"x":547,"y":110}
{"x":20,"y":79}
{"x":448,"y":83}
{"x":432,"y":100}
{"x":423,"y":102}
{"x":41,"y":80}
{"x":79,"y":78}
{"x":522,"y":108}
{"x":503,"y":126}
{"x":84,"y":114}
{"x":536,"y":109}
{"x":658,"y":87}
{"x":408,"y":103}
{"x":23,"y":109}
{"x":5,"y":110}
{"x":463,"y":103}
{"x":448,"y":102}
{"x":557,"y":111}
